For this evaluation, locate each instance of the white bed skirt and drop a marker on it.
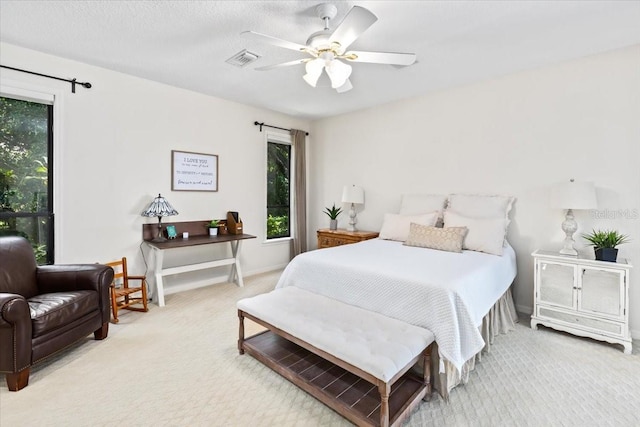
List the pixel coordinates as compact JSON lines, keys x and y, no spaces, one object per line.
{"x":500,"y":320}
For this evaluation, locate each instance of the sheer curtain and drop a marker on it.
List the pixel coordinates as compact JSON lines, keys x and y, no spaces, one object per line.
{"x":299,"y":241}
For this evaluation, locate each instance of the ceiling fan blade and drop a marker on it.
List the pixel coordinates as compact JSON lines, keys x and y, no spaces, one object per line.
{"x":282,"y":65}
{"x":345,"y":87}
{"x":392,"y":58}
{"x":355,"y":23}
{"x":273,"y":40}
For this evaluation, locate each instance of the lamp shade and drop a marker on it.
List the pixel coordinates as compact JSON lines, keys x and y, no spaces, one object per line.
{"x":352,"y":194}
{"x":338,"y":73}
{"x":314,"y":69}
{"x":574,"y":195}
{"x":159,"y":207}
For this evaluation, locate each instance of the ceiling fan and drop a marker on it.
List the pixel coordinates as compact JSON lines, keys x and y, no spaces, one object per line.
{"x":328,"y":49}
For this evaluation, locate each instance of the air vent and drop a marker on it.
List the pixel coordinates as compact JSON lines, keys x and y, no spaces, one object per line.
{"x":243,"y":58}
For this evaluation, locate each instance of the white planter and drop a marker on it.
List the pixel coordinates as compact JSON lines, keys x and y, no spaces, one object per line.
{"x":213,"y":231}
{"x":333,"y":224}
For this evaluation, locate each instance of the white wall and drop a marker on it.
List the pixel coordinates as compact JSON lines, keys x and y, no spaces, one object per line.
{"x":515,"y":135}
{"x":115,"y":156}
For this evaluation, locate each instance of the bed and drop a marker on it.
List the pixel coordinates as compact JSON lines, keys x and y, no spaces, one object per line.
{"x":463,"y":298}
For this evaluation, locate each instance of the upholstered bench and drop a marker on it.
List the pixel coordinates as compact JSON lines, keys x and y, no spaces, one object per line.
{"x":353,"y":360}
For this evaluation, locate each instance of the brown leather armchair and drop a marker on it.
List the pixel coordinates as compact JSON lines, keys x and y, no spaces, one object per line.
{"x":45,"y":308}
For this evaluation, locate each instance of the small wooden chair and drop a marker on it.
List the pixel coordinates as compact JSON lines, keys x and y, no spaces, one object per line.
{"x":121,"y":292}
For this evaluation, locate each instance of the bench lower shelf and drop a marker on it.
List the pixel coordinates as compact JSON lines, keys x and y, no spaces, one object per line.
{"x":349,"y":395}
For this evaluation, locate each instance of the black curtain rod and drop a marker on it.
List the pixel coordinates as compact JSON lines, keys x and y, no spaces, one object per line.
{"x":73,"y":82}
{"x":274,"y":127}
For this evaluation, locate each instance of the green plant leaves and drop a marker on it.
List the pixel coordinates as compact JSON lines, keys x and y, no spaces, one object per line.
{"x":605,"y":238}
{"x":333,"y":212}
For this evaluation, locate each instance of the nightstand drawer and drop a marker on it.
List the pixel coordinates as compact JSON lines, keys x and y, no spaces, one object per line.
{"x":327,"y":242}
{"x":331,"y":238}
{"x":583,"y":322}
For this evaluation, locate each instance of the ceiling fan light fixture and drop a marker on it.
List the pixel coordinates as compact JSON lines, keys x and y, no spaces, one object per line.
{"x":338,"y":72}
{"x":347,"y":86}
{"x":319,"y":40}
{"x":328,"y":49}
{"x":314,"y":70}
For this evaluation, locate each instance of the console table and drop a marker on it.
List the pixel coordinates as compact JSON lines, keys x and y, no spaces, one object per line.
{"x":197,"y":237}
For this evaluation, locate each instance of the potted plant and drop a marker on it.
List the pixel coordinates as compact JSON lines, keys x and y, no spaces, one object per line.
{"x":604,"y":243}
{"x":333,"y":213}
{"x":213,"y":227}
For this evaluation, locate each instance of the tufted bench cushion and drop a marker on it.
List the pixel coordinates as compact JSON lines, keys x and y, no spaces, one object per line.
{"x":379,"y":345}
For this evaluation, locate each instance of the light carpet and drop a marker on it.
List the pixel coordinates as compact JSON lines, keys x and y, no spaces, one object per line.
{"x":179,"y":366}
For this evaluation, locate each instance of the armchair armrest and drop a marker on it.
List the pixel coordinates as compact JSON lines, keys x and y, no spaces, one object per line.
{"x":15,"y":333}
{"x":76,"y":277}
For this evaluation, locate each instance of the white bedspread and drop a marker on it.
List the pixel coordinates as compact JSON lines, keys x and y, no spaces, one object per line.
{"x":447,"y":293}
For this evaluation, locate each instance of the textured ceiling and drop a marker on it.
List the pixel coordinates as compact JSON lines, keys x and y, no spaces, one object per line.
{"x":186,"y":43}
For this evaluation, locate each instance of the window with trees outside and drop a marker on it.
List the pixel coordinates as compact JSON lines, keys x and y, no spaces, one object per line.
{"x":26,"y":187}
{"x":278,"y":189}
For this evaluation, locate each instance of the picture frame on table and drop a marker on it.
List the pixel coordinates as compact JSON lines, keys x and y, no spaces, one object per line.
{"x":171,"y":232}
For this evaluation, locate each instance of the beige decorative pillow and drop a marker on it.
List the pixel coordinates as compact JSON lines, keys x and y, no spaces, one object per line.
{"x":443,"y":239}
{"x":396,"y":227}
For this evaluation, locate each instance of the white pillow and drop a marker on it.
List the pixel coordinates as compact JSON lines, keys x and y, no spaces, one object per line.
{"x":481,"y":206}
{"x":484,"y":235}
{"x":396,"y":227}
{"x":413,"y":204}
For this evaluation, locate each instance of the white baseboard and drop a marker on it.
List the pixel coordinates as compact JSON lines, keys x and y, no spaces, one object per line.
{"x":266,"y":269}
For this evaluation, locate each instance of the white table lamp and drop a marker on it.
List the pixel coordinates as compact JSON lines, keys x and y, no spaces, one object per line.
{"x":354,"y":195}
{"x":572,"y":195}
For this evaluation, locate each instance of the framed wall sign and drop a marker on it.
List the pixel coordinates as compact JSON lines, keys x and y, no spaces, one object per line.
{"x":193,"y":171}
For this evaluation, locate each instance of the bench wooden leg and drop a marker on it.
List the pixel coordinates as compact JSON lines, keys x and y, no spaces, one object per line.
{"x":426,"y":371}
{"x":384,"y":389}
{"x":241,"y":332}
{"x":19,"y":380}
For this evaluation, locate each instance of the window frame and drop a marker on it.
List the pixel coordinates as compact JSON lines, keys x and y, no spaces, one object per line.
{"x":285,"y":139}
{"x":26,"y":91}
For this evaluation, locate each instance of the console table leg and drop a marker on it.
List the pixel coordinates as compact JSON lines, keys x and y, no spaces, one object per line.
{"x":159,"y":259}
{"x":236,"y":271}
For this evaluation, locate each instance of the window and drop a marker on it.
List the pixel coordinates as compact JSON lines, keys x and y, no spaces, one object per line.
{"x":278,"y":188}
{"x":26,"y":187}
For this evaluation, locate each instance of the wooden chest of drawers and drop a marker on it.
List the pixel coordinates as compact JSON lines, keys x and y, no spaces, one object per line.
{"x":329,"y":238}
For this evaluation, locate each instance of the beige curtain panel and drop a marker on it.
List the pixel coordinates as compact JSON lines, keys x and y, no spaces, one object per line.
{"x":299,"y":241}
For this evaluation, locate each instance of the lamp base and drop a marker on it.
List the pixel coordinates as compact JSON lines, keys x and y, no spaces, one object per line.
{"x":159,"y":238}
{"x":569,"y":226}
{"x":352,"y":218}
{"x":569,"y":251}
